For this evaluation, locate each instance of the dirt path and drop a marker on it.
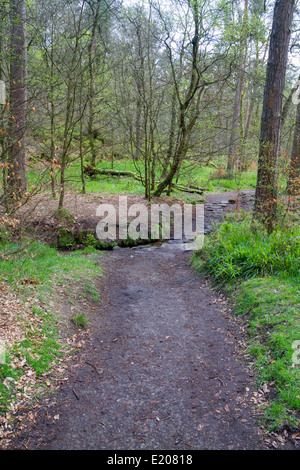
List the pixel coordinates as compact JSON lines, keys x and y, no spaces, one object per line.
{"x":161,"y":369}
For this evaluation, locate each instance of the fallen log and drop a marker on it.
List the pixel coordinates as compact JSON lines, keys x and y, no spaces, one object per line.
{"x":91,"y":171}
{"x":190,"y":189}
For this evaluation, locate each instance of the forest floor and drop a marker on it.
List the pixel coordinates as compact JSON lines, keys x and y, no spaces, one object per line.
{"x":163,"y":366}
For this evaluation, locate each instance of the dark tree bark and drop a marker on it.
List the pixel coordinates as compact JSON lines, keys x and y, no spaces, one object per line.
{"x":18,"y":100}
{"x":266,"y":193}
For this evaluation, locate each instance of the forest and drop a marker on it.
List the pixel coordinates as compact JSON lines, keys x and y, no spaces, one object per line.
{"x":188,"y":102}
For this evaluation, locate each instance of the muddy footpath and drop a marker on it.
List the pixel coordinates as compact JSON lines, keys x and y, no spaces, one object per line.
{"x":164,"y":365}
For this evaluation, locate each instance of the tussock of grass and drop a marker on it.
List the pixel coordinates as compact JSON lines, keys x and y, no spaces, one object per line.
{"x":237,"y":251}
{"x":80,"y":321}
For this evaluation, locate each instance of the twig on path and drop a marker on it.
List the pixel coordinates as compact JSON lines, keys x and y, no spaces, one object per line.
{"x":94,"y":367}
{"x":217,"y":378}
{"x":189,"y":445}
{"x":75,"y":394}
{"x":25,"y":445}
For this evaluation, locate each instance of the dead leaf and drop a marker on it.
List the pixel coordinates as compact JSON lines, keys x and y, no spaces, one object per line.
{"x":30,"y":281}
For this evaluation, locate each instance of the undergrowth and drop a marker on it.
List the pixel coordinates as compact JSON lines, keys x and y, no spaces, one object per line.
{"x":261,"y":272}
{"x":35,"y":274}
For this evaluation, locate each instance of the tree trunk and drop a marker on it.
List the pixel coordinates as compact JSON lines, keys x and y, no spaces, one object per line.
{"x":266,"y":193}
{"x":137,"y":155}
{"x":288,"y":101}
{"x":193,"y":92}
{"x":69,"y":113}
{"x":91,"y":53}
{"x":52,"y":115}
{"x":234,"y":136}
{"x":235,"y":132}
{"x":18,"y":101}
{"x":178,"y":156}
{"x":293,"y":186}
{"x":171,"y":137}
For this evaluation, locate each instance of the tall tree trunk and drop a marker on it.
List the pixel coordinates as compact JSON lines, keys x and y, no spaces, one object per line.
{"x":236,"y":120}
{"x":139,"y":80}
{"x":293,"y":186}
{"x":52,"y":116}
{"x":266,"y":193}
{"x":72,"y":84}
{"x":83,"y":190}
{"x":18,"y":100}
{"x":180,"y":153}
{"x":91,"y":54}
{"x":235,"y":134}
{"x":171,"y":137}
{"x":137,"y":155}
{"x":3,"y":140}
{"x":288,"y":101}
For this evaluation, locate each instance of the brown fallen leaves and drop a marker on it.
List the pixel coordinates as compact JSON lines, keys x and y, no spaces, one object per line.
{"x":10,"y":308}
{"x":16,"y":318}
{"x":12,"y":332}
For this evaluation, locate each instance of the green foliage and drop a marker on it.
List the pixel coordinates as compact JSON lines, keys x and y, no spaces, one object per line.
{"x":90,"y":292}
{"x":240,"y":250}
{"x":262,"y":273}
{"x":89,"y":240}
{"x":65,"y":239}
{"x":41,"y":345}
{"x":7,"y":394}
{"x":80,"y":321}
{"x":271,"y":305}
{"x":64,"y":216}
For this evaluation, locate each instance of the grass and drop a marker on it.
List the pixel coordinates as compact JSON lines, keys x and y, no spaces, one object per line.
{"x":210,"y":177}
{"x":80,"y":321}
{"x":272,"y":306}
{"x":236,"y":251}
{"x":262,"y":273}
{"x":90,"y":292}
{"x":41,"y":346}
{"x":202,"y":176}
{"x":43,"y":264}
{"x":214,"y":179}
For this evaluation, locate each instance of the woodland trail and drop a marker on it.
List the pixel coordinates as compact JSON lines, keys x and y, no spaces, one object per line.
{"x":162,"y":369}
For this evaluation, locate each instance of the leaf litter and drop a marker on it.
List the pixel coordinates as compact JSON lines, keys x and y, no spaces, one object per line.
{"x":17,"y":317}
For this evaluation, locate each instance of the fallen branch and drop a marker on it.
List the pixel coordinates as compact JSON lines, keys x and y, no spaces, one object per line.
{"x":91,"y":171}
{"x":190,"y":189}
